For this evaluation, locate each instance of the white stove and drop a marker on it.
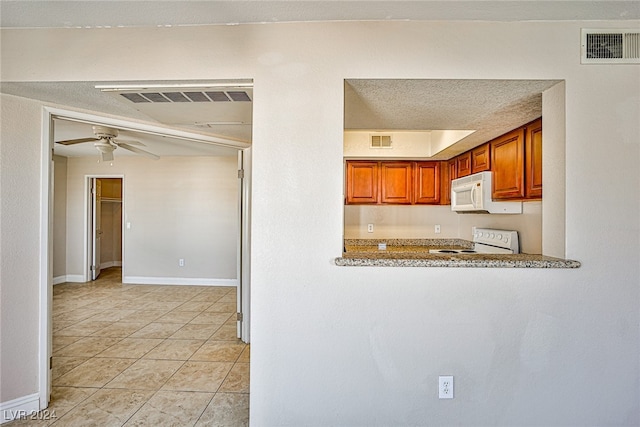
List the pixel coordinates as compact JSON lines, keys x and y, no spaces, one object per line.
{"x":488,"y":241}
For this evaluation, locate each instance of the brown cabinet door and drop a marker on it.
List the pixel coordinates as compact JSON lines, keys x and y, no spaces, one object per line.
{"x":396,"y":182}
{"x":427,"y":183}
{"x":480,"y":158}
{"x":463,"y":164}
{"x":533,"y":160}
{"x":507,"y":159}
{"x":453,"y":171}
{"x":445,"y":183}
{"x":362,"y":182}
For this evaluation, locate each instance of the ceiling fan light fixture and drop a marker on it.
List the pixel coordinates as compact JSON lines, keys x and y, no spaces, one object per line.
{"x":104,"y":132}
{"x":104,"y":146}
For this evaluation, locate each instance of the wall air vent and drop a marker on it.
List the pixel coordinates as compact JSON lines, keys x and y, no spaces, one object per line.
{"x":175,"y":96}
{"x":380,"y":141}
{"x":610,"y":46}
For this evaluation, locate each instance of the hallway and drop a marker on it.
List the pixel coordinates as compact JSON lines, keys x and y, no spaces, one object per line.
{"x":145,"y":355}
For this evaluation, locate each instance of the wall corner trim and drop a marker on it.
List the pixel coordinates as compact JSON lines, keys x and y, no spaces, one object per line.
{"x":22,"y":407}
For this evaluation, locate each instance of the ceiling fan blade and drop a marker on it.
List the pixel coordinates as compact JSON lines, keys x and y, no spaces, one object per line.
{"x":76,"y":141}
{"x":130,"y":142}
{"x":138,"y":151}
{"x":107,"y":156}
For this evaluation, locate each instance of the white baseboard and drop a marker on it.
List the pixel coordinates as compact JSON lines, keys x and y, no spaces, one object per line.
{"x":74,"y":278}
{"x":141,"y":280}
{"x":111,"y":264}
{"x":22,"y":407}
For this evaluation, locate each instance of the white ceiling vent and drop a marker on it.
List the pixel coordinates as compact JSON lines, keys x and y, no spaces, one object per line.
{"x":187,"y":96}
{"x":610,"y":46}
{"x":380,"y":141}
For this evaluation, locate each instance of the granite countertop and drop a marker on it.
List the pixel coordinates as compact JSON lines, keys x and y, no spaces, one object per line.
{"x":415,"y":253}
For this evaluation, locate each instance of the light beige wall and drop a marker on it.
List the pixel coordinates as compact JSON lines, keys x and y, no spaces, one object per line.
{"x":417,"y":222}
{"x":20,"y":153}
{"x":526,"y":346}
{"x":404,"y":144}
{"x":60,"y":217}
{"x":553,"y":157}
{"x":177,"y":207}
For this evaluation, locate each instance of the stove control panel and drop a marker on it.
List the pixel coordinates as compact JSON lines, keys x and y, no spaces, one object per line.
{"x":507,"y":239}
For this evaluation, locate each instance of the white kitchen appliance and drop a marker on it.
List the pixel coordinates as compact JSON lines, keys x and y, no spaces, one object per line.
{"x":472,"y":194}
{"x":488,"y":241}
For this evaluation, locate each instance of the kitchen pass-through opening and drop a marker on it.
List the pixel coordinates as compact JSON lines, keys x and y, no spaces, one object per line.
{"x":415,"y":113}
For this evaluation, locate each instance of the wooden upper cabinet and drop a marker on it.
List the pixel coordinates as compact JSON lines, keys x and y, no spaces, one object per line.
{"x":481,"y":158}
{"x":507,"y":159}
{"x":362,"y":182}
{"x":427,"y":183}
{"x":451,"y":166}
{"x":463,"y":164}
{"x":396,"y":182}
{"x":533,"y":160}
{"x":515,"y":160}
{"x":445,"y":181}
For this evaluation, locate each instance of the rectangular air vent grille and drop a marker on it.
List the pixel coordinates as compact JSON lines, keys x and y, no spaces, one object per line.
{"x":208,"y":96}
{"x":610,"y":46}
{"x":380,"y":141}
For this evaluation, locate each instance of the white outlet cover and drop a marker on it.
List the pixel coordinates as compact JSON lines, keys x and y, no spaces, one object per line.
{"x":445,"y":387}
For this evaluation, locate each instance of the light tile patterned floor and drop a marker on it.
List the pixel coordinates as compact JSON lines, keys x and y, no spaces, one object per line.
{"x":145,"y":355}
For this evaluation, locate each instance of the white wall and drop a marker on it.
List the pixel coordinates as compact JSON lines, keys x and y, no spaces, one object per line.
{"x":364,"y":346}
{"x":19,"y":246}
{"x":177,"y":207}
{"x":405,"y":144}
{"x":418,"y":221}
{"x":60,"y":218}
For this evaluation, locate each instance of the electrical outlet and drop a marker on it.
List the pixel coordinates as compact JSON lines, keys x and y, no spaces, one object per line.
{"x":181,"y":262}
{"x":370,"y":228}
{"x":445,"y":387}
{"x":436,"y":228}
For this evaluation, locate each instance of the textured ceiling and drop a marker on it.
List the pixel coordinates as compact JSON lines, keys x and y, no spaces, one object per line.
{"x":160,"y":145}
{"x":85,"y":96}
{"x":490,"y":107}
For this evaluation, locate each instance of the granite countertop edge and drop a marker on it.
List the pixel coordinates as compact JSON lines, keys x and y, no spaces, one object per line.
{"x":415,"y":253}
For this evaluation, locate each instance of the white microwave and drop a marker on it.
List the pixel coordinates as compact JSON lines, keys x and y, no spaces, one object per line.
{"x":472,"y":194}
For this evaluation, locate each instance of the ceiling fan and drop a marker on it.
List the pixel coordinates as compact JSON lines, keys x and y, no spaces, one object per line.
{"x":105,"y":143}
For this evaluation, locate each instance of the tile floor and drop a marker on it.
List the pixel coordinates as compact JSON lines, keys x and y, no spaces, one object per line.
{"x":145,"y":355}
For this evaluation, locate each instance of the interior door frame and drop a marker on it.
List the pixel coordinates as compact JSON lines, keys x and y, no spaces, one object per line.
{"x":46,"y":218}
{"x":244,"y":246}
{"x":88,"y":216}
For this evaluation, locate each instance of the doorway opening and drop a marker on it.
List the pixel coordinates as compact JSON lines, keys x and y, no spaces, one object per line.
{"x":91,"y":183}
{"x":105,"y":215}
